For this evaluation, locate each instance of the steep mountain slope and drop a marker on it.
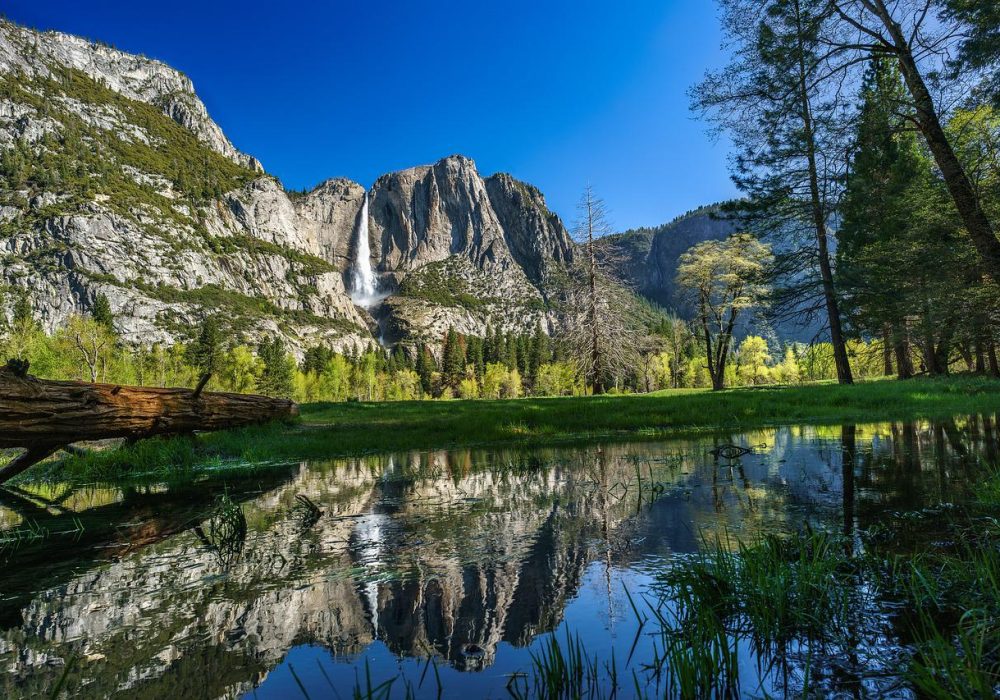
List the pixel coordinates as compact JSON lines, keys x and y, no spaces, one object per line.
{"x":115,"y":181}
{"x":463,"y":251}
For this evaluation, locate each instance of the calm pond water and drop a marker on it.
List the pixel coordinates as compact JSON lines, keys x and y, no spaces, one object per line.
{"x":472,"y":559}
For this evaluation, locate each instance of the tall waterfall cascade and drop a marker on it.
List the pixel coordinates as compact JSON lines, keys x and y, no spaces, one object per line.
{"x":364,"y":284}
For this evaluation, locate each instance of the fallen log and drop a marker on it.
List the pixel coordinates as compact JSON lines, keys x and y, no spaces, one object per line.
{"x":44,"y":416}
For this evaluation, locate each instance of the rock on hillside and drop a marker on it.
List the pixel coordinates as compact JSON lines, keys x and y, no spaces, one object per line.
{"x":464,"y":251}
{"x":116,"y":182}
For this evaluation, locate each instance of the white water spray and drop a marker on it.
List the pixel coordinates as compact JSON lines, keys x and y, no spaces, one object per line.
{"x":364,"y":285}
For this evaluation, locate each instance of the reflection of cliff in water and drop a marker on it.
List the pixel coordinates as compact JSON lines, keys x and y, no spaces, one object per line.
{"x":451,"y":547}
{"x":451,"y":553}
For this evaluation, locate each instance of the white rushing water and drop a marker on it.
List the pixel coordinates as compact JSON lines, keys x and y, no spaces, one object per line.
{"x":364,"y":285}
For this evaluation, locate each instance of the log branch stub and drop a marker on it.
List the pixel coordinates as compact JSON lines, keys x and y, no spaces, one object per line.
{"x":27,"y":459}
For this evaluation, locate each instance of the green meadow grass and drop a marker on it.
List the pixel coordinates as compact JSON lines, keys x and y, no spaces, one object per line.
{"x":328,"y":430}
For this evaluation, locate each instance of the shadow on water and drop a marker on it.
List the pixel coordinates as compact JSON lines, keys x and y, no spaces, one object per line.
{"x":315,"y":576}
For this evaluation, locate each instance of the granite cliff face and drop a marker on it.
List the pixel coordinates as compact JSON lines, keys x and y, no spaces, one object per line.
{"x":37,"y":54}
{"x":649,"y":256}
{"x":116,"y":181}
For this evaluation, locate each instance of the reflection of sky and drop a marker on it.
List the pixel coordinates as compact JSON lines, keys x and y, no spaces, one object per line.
{"x":459,"y":550}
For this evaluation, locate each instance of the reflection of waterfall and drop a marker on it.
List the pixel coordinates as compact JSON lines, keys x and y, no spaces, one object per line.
{"x":364,"y":286}
{"x":369,"y":544}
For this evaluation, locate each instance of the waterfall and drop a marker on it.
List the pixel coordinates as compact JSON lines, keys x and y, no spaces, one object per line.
{"x":364,"y":286}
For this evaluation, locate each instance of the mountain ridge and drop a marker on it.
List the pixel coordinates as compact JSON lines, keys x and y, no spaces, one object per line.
{"x":117,"y":183}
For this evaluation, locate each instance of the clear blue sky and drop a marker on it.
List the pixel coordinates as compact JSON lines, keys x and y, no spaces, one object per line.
{"x":557,"y":92}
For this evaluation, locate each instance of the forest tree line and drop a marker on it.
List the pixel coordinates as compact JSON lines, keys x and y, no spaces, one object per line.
{"x":500,"y":365}
{"x":867,"y":139}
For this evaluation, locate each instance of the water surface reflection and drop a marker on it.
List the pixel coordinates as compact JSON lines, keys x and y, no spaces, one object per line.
{"x":466,"y":557}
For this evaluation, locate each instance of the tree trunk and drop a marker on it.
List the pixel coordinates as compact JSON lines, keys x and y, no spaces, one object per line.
{"x":595,"y":350}
{"x":980,"y":358}
{"x":887,"y":345}
{"x":840,"y":358}
{"x":968,"y":355}
{"x":962,"y":191}
{"x":994,"y":361}
{"x":44,"y":416}
{"x":903,"y":361}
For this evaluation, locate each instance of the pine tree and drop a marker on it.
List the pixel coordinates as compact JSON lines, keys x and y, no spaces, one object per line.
{"x":772,"y":100}
{"x":491,"y":349}
{"x":101,"y":312}
{"x":316,"y":358}
{"x":509,"y":345}
{"x":205,"y":353}
{"x":474,"y":356}
{"x":876,"y":213}
{"x":540,"y":354}
{"x":453,"y":364}
{"x":276,"y":375}
{"x":426,"y":366}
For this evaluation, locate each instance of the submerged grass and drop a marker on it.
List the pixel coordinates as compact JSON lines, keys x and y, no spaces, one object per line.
{"x":773,"y":593}
{"x":351,"y":429}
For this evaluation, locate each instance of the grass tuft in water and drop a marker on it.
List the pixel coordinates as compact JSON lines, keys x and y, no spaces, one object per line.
{"x":775,"y":593}
{"x":565,"y":671}
{"x":952,"y":604}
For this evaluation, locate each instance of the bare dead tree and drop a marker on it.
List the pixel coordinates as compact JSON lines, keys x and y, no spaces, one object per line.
{"x":599,"y":319}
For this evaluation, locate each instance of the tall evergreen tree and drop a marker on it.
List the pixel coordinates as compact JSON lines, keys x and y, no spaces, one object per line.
{"x":876,"y":215}
{"x":540,"y":354}
{"x":474,"y":356}
{"x":426,"y":366}
{"x":921,"y":40}
{"x":101,"y":312}
{"x":453,"y":359}
{"x":205,"y":353}
{"x":316,"y":358}
{"x":276,"y":374}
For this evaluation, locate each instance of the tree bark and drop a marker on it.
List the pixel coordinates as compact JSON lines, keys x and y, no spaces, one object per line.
{"x":844,"y":375}
{"x":887,"y":368}
{"x":980,"y":358}
{"x":967,"y":202}
{"x":44,"y":416}
{"x":903,"y":361}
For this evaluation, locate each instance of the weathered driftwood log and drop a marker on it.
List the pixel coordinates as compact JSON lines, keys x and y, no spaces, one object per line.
{"x":45,"y":416}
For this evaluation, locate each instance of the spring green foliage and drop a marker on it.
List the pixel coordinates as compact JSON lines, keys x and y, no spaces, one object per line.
{"x":501,"y":365}
{"x":277,"y":368}
{"x":906,"y":267}
{"x":723,"y":279}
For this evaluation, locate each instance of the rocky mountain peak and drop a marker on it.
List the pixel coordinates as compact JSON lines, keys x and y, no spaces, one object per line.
{"x":141,"y":208}
{"x":136,"y":77}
